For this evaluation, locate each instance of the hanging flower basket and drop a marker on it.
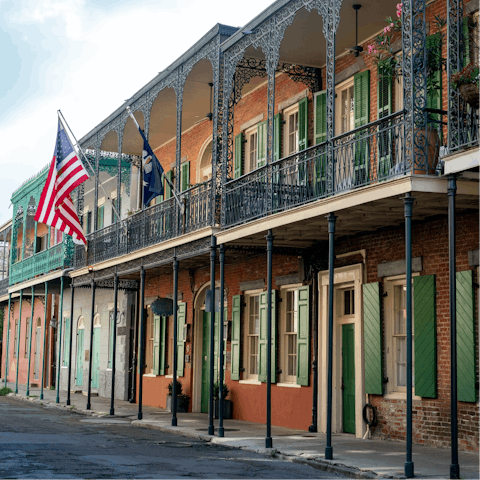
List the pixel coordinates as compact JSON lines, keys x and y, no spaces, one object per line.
{"x":469,"y":93}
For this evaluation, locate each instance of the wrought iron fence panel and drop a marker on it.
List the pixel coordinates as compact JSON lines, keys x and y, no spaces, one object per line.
{"x":468,"y":124}
{"x":197,"y":206}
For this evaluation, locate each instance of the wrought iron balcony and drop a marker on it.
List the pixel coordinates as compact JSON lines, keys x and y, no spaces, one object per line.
{"x":59,"y":256}
{"x":465,"y":125}
{"x":154,"y":225}
{"x":4,"y":286}
{"x":368,"y":154}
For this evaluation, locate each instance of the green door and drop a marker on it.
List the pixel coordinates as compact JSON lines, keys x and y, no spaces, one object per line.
{"x":205,"y":361}
{"x":96,"y":357}
{"x":348,"y":378}
{"x":80,"y":353}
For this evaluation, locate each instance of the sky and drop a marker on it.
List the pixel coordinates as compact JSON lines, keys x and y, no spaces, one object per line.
{"x":86,"y":57}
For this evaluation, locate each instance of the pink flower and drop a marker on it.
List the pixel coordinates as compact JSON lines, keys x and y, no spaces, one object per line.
{"x":387,"y":29}
{"x":391,"y":24}
{"x":399,"y":9}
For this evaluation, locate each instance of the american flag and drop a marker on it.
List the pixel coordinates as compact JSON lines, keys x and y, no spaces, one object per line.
{"x":66,"y":173}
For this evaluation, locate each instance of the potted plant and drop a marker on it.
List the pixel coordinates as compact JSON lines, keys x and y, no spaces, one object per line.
{"x":227,"y":404}
{"x":467,"y":80}
{"x":183,"y":400}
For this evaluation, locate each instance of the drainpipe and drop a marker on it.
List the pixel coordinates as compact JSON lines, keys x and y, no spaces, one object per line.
{"x":331,"y":259}
{"x":44,"y":340}
{"x":268,"y":438}
{"x":59,"y":340}
{"x":8,"y":338}
{"x":313,"y":427}
{"x":141,"y":348}
{"x":175,"y":341}
{"x":452,"y":267}
{"x":221,"y":430}
{"x":30,"y":341}
{"x":408,"y":202}
{"x":89,"y":389}
{"x":18,"y":339}
{"x":70,"y":348}
{"x":114,"y":346}
{"x":213,"y":252}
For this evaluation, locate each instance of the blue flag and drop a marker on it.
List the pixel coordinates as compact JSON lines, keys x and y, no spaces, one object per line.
{"x":152,"y":173}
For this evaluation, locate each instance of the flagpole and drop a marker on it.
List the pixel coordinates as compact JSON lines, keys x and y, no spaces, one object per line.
{"x":172,"y":188}
{"x":59,"y":113}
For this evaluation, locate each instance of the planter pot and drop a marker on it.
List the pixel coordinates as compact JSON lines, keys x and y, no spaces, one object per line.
{"x":469,"y":93}
{"x":183,"y":402}
{"x":227,"y":408}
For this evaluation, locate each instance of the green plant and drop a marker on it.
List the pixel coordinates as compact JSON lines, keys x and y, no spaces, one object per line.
{"x":469,"y":74}
{"x":52,"y":388}
{"x":179,"y":388}
{"x":216,"y":391}
{"x":5,"y":391}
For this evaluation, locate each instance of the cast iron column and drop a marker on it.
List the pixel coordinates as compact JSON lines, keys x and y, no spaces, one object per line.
{"x":175,"y":340}
{"x":452,"y":267}
{"x":408,"y":201}
{"x":18,"y":339}
{"x":89,"y":389}
{"x":141,"y":347}
{"x":268,"y":438}
{"x":213,"y":252}
{"x":70,"y":348}
{"x":221,"y":430}
{"x":59,"y":340}
{"x":114,"y":346}
{"x":331,"y":260}
{"x":8,"y":339}
{"x":44,"y":340}
{"x":30,"y":341}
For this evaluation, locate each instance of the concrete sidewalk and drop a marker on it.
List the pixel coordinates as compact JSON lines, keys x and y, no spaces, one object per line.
{"x":353,"y":457}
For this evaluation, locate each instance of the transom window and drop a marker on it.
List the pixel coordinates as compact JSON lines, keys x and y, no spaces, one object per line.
{"x":349,"y":302}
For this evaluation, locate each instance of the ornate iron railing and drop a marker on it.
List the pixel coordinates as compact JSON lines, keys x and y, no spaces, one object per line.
{"x":4,"y":286}
{"x":372,"y":153}
{"x":55,"y":257}
{"x":151,"y":226}
{"x":468,"y":125}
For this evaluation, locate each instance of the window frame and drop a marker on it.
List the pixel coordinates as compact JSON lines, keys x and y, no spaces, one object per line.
{"x":346,"y":85}
{"x":286,"y":114}
{"x":247,"y":134}
{"x":247,"y":376}
{"x":149,"y":341}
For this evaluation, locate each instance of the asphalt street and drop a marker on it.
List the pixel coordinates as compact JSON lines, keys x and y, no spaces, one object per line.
{"x":44,"y":442}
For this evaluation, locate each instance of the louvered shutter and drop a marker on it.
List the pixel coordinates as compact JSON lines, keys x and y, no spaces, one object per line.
{"x":434,"y":92}
{"x":425,"y":336}
{"x":372,"y":338}
{"x":262,"y":144}
{"x":238,"y":159}
{"x":466,"y":368}
{"x":66,"y":355}
{"x":181,"y":319}
{"x":384,"y":108}
{"x":320,"y":137}
{"x":163,"y":329}
{"x":168,"y":190}
{"x":303,"y":124}
{"x":156,"y":344}
{"x":185,"y":176}
{"x":235,"y":342}
{"x":303,"y":337}
{"x":277,"y":146}
{"x":361,"y":117}
{"x":262,"y":339}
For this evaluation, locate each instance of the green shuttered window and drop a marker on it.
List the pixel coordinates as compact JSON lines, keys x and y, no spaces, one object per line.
{"x":238,"y":159}
{"x":466,"y":368}
{"x":303,"y":124}
{"x":303,"y":337}
{"x":185,"y":178}
{"x":262,"y":144}
{"x":235,"y":342}
{"x":320,"y":117}
{"x":66,"y":350}
{"x":384,"y":108}
{"x":156,"y":344}
{"x":277,"y":140}
{"x":168,"y":189}
{"x":181,"y":320}
{"x":372,"y":338}
{"x":361,"y":88}
{"x":262,"y":341}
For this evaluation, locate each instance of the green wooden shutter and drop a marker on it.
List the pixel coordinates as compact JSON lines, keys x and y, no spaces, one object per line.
{"x":277,"y":145}
{"x":163,"y":328}
{"x":156,"y":344}
{"x":466,"y":370}
{"x":303,"y":337}
{"x":100,"y":216}
{"x":66,"y":350}
{"x":262,"y":144}
{"x":262,"y":339}
{"x":181,"y":319}
{"x":361,"y":92}
{"x":372,"y":338}
{"x":466,"y":42}
{"x":168,"y":189}
{"x":303,"y":124}
{"x":235,"y":342}
{"x":434,"y":82}
{"x":320,"y":117}
{"x":425,"y":336}
{"x":185,"y":176}
{"x":238,"y":159}
{"x":384,"y":108}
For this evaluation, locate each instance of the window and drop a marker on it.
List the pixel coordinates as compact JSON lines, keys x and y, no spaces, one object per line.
{"x":87,"y":222}
{"x":100,"y":216}
{"x":116,"y":205}
{"x":345,"y":106}
{"x":149,"y":339}
{"x":289,"y":329}
{"x":27,"y":336}
{"x":169,"y":366}
{"x":111,"y":320}
{"x":252,"y":149}
{"x":252,"y":332}
{"x":255,"y":152}
{"x":15,"y":343}
{"x":291,"y":130}
{"x":349,"y":302}
{"x":66,"y":343}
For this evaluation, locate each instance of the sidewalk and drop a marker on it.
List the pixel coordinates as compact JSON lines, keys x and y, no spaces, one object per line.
{"x":353,"y":457}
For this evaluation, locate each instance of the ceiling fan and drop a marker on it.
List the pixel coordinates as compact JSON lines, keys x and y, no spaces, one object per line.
{"x":356,"y":49}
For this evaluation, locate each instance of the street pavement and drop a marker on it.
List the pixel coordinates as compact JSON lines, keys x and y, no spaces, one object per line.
{"x":42,"y":442}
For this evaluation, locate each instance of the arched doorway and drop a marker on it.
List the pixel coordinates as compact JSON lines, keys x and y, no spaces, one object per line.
{"x":80,"y":352}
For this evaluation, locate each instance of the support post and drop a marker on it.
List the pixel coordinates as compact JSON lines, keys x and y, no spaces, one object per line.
{"x":44,"y":341}
{"x":70,"y":340}
{"x":59,"y":341}
{"x":408,"y":201}
{"x":7,"y":352}
{"x":221,"y":430}
{"x":141,"y":347}
{"x":268,"y":438}
{"x":30,"y":341}
{"x":175,"y":341}
{"x":114,"y":346}
{"x":18,"y":339}
{"x":90,"y":356}
{"x":452,"y":267}
{"x":213,"y":253}
{"x":331,"y":270}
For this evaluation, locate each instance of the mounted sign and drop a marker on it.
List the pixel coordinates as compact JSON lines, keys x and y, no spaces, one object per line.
{"x":162,"y":306}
